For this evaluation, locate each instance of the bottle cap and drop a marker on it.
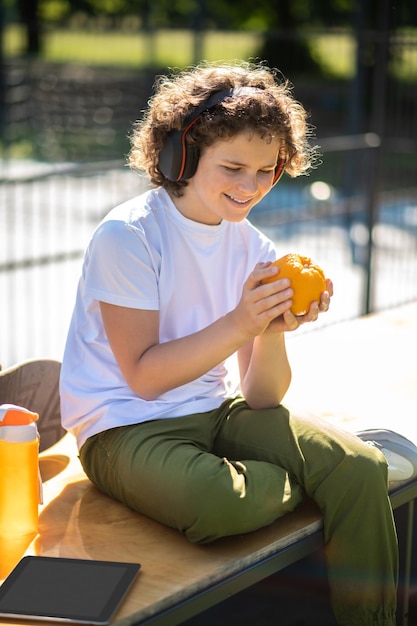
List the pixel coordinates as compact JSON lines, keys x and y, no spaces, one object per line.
{"x":13,"y":415}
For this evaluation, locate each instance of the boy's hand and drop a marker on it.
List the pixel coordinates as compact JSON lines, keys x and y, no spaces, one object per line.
{"x":266,"y":307}
{"x":292,"y":322}
{"x":260,"y":304}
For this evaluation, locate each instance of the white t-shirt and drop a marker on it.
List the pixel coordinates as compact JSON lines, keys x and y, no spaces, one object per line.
{"x":145,"y":254}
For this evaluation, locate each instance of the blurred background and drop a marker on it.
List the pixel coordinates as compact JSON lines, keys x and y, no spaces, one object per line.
{"x":75,"y":74}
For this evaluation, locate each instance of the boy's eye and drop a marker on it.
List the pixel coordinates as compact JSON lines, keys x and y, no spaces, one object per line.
{"x":238,"y":169}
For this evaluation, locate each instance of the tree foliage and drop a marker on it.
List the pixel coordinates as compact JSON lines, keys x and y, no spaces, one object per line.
{"x":290,"y":17}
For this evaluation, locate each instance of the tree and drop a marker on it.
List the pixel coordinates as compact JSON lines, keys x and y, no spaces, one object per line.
{"x":29,"y":16}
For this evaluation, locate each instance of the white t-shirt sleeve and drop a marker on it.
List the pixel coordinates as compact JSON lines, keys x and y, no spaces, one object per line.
{"x":120,"y":268}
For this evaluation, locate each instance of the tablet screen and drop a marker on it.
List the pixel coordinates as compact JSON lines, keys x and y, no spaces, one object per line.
{"x":74,"y":590}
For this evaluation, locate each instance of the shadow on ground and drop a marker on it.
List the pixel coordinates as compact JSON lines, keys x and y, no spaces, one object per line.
{"x":296,"y":596}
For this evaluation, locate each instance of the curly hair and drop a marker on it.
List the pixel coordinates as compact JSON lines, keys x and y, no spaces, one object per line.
{"x":271,"y":110}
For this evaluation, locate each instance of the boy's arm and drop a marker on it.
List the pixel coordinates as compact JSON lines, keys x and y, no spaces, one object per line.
{"x":265,"y":371}
{"x":152,"y":368}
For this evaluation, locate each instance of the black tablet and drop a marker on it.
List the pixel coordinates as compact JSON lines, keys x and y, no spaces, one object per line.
{"x":69,"y":590}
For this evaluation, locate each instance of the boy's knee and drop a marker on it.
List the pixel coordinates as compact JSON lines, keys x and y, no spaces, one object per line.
{"x":211,"y":509}
{"x":226,"y":503}
{"x":239,"y":498}
{"x":370,"y":465}
{"x":358,"y":480}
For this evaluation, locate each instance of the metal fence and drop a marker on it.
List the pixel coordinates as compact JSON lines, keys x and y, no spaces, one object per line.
{"x":77,"y":110}
{"x":356,"y":214}
{"x":365,"y":239}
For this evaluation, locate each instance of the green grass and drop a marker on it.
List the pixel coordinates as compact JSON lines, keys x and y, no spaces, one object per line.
{"x":163,"y":48}
{"x":173,"y":48}
{"x":404,"y":66}
{"x":335,"y":52}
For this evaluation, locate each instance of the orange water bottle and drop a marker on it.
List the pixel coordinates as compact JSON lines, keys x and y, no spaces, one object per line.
{"x":19,"y":472}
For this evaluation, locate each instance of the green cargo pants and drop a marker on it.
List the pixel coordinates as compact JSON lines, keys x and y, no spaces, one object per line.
{"x":234,"y":470}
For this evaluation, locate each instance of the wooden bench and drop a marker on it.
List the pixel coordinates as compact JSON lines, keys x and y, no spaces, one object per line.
{"x":357,"y":374}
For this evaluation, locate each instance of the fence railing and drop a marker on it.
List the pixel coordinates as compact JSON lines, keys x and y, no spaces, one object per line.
{"x":81,"y":108}
{"x":365,"y":238}
{"x":45,"y":222}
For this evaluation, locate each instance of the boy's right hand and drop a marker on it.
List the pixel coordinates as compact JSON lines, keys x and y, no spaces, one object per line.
{"x":260,"y":304}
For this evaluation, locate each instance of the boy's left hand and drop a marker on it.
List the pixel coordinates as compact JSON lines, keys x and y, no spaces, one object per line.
{"x":288,"y":321}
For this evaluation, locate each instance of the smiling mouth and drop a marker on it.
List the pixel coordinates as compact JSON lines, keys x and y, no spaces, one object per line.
{"x":239,"y":201}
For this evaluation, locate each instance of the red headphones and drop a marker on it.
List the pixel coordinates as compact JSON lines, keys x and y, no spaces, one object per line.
{"x":177,"y":161}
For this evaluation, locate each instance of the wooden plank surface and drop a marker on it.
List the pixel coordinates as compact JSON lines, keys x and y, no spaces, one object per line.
{"x":78,"y":521}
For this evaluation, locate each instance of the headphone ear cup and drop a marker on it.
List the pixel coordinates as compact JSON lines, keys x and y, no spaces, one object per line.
{"x":170,"y":156}
{"x":177,"y":162}
{"x":191,"y":154}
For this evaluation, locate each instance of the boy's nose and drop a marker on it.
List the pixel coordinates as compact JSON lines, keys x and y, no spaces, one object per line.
{"x":248,"y":183}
